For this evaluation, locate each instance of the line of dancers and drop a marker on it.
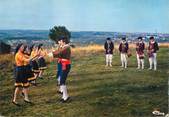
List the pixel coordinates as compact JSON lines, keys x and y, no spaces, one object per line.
{"x":29,"y":65}
{"x":125,"y":52}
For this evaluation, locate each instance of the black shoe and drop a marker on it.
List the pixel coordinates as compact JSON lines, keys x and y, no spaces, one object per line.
{"x":34,"y":84}
{"x":29,"y":102}
{"x":59,"y":92}
{"x":23,"y":95}
{"x":15,"y":103}
{"x":41,"y":77}
{"x":65,"y":101}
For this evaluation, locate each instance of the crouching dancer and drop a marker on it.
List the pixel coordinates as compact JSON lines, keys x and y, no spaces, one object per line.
{"x":64,"y":53}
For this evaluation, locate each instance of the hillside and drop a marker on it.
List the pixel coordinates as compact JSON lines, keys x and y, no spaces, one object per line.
{"x":96,"y":91}
{"x":81,"y":37}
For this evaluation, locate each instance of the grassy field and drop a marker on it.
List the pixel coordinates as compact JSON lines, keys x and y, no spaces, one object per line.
{"x":96,"y":91}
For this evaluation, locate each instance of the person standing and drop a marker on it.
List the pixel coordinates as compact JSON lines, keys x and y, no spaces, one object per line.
{"x":21,"y":80}
{"x":65,"y":54}
{"x":34,"y":64}
{"x":28,"y":70}
{"x":152,"y":53}
{"x":123,"y":48}
{"x":140,"y":46}
{"x":109,"y":47}
{"x":41,"y":60}
{"x":59,"y":64}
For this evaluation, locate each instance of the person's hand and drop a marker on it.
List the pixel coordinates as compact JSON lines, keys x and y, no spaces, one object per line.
{"x":29,"y":59}
{"x":50,"y":54}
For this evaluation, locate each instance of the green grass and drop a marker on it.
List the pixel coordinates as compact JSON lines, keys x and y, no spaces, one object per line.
{"x":95,"y":91}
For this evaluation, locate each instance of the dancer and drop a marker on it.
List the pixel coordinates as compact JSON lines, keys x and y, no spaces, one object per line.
{"x":34,"y":64}
{"x":109,"y":47}
{"x":140,"y":46}
{"x":28,"y":71}
{"x":123,"y":48}
{"x":21,"y":80}
{"x":152,"y":53}
{"x":59,"y":64}
{"x":65,"y":54}
{"x":41,"y":60}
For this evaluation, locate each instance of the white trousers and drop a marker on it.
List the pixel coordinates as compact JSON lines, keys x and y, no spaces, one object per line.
{"x":123,"y":60}
{"x":140,"y":62}
{"x":109,"y":59}
{"x":153,"y":61}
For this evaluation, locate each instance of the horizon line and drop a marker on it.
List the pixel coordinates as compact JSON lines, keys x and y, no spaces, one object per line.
{"x":87,"y":31}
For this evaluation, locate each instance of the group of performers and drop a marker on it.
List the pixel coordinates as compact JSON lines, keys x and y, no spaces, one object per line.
{"x":125,"y":52}
{"x":29,"y":65}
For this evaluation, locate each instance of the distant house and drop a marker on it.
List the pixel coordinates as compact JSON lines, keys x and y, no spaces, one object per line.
{"x":4,"y":48}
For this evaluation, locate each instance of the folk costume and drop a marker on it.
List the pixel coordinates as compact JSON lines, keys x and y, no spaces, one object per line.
{"x":140,"y":46}
{"x":21,"y":74}
{"x":34,"y":64}
{"x":21,"y":78}
{"x":28,"y":70}
{"x":123,"y":48}
{"x":41,"y":60}
{"x":59,"y":67}
{"x":152,"y":53}
{"x":64,"y":54}
{"x":109,"y":46}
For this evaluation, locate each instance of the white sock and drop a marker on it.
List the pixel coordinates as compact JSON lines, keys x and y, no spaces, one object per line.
{"x":61,"y":89}
{"x":26,"y":97}
{"x":155,"y":67}
{"x":107,"y":63}
{"x":65,"y":95}
{"x":58,"y":79}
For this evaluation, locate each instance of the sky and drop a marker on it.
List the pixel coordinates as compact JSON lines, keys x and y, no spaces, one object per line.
{"x":86,"y":15}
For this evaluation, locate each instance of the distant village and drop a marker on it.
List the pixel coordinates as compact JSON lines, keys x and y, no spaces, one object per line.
{"x":13,"y":37}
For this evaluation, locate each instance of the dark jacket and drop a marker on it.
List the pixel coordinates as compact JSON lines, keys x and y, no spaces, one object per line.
{"x":123,"y":47}
{"x":64,"y":53}
{"x":153,"y":47}
{"x":140,"y":48}
{"x":109,"y":47}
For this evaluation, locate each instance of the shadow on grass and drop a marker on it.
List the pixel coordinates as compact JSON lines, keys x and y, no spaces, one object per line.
{"x":111,"y":98}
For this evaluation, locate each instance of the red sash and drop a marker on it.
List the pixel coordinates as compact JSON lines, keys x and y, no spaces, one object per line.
{"x":64,"y":63}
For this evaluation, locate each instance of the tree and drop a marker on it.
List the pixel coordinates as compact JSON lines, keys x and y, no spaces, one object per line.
{"x":4,"y":48}
{"x":59,"y":31}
